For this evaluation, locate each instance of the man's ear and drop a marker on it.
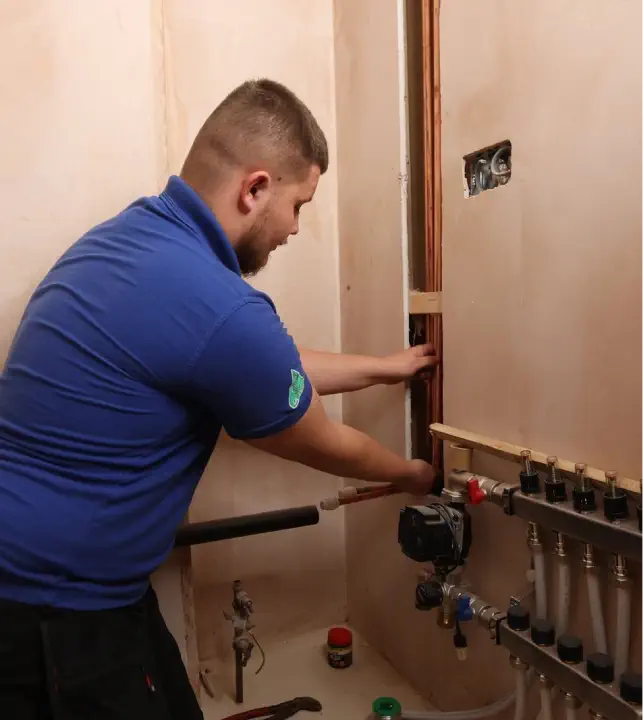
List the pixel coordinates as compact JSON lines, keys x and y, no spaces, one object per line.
{"x":255,"y":190}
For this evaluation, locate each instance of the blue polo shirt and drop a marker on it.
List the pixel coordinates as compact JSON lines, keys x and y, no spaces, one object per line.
{"x":137,"y":348}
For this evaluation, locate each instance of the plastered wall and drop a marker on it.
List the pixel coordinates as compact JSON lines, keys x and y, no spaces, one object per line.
{"x":373,"y":187}
{"x":80,"y":138}
{"x":542,"y":278}
{"x":100,"y":101}
{"x":542,"y":288}
{"x":373,"y":87}
{"x":296,"y":579}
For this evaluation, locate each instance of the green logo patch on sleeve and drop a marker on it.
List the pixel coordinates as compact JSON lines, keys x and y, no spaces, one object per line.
{"x":296,"y":389}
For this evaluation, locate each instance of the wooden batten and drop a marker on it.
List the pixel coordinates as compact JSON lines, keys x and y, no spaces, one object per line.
{"x":425,"y":303}
{"x":510,"y":452}
{"x":189,"y":617}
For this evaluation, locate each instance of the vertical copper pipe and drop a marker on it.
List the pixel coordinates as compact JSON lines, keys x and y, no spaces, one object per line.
{"x":433,"y":207}
{"x":427,"y":119}
{"x":437,"y":216}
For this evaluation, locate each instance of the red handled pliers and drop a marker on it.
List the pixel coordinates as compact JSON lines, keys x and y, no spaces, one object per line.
{"x":280,"y":712}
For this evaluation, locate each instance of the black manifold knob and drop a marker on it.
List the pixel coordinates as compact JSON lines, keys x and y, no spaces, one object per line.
{"x":600,"y":668}
{"x":583,"y":494}
{"x":631,"y":688}
{"x":615,"y":506}
{"x":529,"y":478}
{"x":614,"y":499}
{"x":543,"y":632}
{"x":518,"y":617}
{"x":584,"y":500}
{"x":529,"y":482}
{"x":570,"y":649}
{"x":555,"y":492}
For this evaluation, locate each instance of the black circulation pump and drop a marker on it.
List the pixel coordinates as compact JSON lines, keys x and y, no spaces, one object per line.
{"x":436,"y":533}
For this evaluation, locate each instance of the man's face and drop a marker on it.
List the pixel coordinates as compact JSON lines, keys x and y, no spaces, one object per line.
{"x":274,"y":221}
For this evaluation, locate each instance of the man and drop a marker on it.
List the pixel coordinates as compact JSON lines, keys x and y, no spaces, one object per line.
{"x":137,"y":348}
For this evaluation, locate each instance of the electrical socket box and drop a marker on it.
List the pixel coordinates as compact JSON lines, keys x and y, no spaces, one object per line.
{"x":487,"y":169}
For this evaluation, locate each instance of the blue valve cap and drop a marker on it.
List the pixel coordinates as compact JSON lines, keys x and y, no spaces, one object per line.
{"x":463,"y":609}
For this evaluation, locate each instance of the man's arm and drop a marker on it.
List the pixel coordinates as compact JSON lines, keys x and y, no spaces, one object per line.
{"x":332,"y":373}
{"x":250,"y":375}
{"x":322,"y":444}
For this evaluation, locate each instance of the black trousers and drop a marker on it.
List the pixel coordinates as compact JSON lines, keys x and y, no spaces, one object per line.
{"x":120,"y":664}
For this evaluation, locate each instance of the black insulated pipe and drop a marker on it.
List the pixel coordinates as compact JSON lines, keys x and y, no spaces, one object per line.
{"x":244,"y":525}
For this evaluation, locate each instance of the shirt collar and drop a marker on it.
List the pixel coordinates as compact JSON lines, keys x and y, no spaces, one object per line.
{"x":199,"y":216}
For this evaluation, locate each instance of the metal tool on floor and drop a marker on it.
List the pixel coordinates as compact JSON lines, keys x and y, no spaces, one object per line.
{"x":279,"y":712}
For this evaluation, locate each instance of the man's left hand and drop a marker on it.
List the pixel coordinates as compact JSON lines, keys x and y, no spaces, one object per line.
{"x":419,"y":359}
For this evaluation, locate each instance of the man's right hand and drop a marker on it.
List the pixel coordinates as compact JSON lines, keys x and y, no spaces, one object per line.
{"x":422,"y":478}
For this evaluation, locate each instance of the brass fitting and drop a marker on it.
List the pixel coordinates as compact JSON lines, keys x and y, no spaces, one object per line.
{"x":588,"y":557}
{"x":517,"y":664}
{"x":552,"y":462}
{"x":560,"y":545}
{"x":544,"y":680}
{"x":446,"y":616}
{"x":611,"y":480}
{"x":533,"y":536}
{"x":583,"y":481}
{"x":620,"y":569}
{"x":525,"y":457}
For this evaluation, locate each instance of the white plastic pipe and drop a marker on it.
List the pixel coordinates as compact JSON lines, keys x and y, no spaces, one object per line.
{"x":477,"y":714}
{"x":596,"y":612}
{"x":571,"y":712}
{"x":546,"y":704}
{"x":623,"y":622}
{"x":552,"y":696}
{"x":541,"y":583}
{"x":520,"y":712}
{"x":564,"y":591}
{"x":519,"y":696}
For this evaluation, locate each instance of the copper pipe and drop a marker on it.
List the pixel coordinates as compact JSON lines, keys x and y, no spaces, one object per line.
{"x":362,"y":495}
{"x":433,"y":209}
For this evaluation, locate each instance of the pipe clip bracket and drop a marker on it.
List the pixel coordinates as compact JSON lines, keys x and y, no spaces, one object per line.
{"x":507,"y":500}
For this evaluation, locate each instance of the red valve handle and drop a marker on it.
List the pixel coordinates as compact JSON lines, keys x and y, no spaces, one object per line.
{"x":476,"y":493}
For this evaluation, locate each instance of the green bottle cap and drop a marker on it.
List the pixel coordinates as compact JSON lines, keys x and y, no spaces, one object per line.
{"x":386,"y":707}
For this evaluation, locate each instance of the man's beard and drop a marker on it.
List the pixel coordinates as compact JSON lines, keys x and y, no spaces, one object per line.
{"x":250,"y":249}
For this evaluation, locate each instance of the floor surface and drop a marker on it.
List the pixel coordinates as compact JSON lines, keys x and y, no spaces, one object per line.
{"x":298,"y":667}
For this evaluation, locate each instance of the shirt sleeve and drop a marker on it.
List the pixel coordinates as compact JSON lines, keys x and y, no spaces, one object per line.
{"x":249,"y":374}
